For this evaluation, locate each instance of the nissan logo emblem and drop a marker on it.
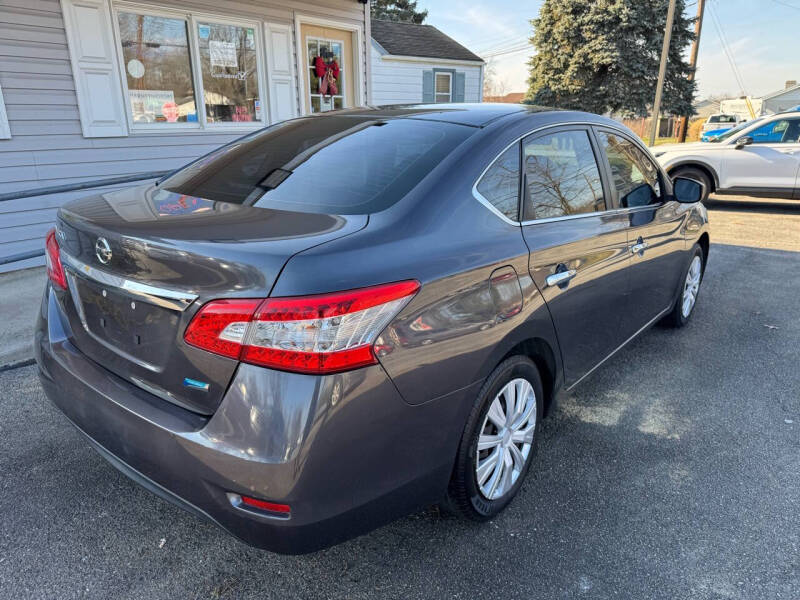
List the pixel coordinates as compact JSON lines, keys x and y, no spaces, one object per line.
{"x":102,"y":250}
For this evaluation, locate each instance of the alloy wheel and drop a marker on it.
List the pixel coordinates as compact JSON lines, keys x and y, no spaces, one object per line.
{"x":505,"y":439}
{"x":691,"y":286}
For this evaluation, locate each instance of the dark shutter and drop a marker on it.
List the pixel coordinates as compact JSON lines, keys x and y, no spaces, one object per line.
{"x":458,"y":86}
{"x":427,"y":87}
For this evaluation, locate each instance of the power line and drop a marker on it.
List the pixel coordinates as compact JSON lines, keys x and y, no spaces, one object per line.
{"x":508,"y":51}
{"x":782,"y":3}
{"x":726,"y":49}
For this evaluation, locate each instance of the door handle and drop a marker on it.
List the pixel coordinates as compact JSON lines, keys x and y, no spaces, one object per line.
{"x":561,"y":278}
{"x":639,"y":248}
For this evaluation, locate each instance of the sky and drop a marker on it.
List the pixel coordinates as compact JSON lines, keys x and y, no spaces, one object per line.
{"x":760,"y":34}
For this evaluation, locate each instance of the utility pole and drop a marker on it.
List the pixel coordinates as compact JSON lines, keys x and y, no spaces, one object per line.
{"x":698,"y":27}
{"x":662,"y":70}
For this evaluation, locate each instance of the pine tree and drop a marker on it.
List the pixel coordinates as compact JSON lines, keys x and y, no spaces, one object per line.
{"x":603,"y":55}
{"x":404,"y":11}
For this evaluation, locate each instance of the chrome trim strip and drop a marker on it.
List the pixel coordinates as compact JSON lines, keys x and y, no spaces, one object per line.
{"x":620,"y":347}
{"x":613,"y":211}
{"x":166,"y":297}
{"x":480,"y":198}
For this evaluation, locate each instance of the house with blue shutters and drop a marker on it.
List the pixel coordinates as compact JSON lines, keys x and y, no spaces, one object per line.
{"x":418,"y":63}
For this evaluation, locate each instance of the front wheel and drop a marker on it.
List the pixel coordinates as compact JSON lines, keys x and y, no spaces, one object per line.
{"x":688,"y":290}
{"x":498,"y":442}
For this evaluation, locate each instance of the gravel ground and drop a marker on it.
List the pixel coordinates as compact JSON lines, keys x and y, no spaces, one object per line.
{"x":674,"y":472}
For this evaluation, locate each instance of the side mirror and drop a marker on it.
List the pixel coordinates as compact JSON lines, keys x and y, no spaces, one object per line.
{"x":687,"y":191}
{"x":743,"y":141}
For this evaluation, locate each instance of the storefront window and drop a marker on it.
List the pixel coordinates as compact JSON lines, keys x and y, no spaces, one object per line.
{"x":230,"y":73}
{"x":158,"y":67}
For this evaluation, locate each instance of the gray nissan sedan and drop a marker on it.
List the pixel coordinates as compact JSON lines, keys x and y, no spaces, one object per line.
{"x":340,"y":319}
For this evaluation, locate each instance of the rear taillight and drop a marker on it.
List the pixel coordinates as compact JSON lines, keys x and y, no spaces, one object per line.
{"x":55,"y":270}
{"x":326,"y":333}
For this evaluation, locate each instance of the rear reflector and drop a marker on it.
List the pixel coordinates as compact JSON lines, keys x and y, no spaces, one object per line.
{"x":55,"y":270}
{"x":327,"y":333}
{"x":264,"y":505}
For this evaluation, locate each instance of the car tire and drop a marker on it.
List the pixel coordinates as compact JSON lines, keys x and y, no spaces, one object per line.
{"x":467,"y":496}
{"x":690,"y":282}
{"x":694,"y":174}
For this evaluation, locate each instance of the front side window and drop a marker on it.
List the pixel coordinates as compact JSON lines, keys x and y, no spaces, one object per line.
{"x":337,"y":165}
{"x":230,"y":73}
{"x":562,"y":177}
{"x":783,"y":131}
{"x":500,"y":184}
{"x":158,"y":68}
{"x":444,"y":87}
{"x":635,"y":177}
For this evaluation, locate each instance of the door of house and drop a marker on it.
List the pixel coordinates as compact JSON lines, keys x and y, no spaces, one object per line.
{"x":328,"y":43}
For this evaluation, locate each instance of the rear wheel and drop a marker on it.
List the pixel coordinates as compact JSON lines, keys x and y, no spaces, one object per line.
{"x":688,"y":291}
{"x":499,"y":441}
{"x":697,"y":175}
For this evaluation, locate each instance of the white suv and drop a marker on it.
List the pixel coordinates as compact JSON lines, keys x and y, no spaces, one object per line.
{"x":757,"y":158}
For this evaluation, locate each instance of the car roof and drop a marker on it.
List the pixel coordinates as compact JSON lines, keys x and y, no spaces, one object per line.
{"x":474,"y":115}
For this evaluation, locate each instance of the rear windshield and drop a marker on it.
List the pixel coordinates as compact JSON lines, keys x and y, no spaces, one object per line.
{"x":722,"y":119}
{"x":331,"y":164}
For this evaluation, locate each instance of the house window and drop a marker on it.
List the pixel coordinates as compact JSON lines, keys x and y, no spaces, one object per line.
{"x":184,"y":72}
{"x":444,"y":87}
{"x":321,"y":98}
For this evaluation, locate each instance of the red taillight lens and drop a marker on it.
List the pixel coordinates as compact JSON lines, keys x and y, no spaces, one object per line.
{"x":55,"y":270}
{"x":327,"y":333}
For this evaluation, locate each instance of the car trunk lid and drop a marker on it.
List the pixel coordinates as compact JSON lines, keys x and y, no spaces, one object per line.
{"x":141,"y":261}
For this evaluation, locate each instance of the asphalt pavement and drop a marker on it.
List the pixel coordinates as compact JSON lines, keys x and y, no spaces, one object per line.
{"x":673,"y":472}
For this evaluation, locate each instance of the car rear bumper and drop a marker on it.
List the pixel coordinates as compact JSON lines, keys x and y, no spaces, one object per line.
{"x":345,"y":451}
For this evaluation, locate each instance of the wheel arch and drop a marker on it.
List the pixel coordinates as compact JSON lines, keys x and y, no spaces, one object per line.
{"x":701,"y":166}
{"x":705,"y":244}
{"x":544,"y":357}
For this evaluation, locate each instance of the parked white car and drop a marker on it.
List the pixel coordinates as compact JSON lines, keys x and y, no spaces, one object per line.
{"x":721,"y":121}
{"x":757,"y":158}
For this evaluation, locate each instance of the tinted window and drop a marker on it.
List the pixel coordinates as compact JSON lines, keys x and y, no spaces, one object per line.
{"x":784,"y":131}
{"x":562,"y":176}
{"x":634,"y":175}
{"x":500,"y":184}
{"x":332,"y":164}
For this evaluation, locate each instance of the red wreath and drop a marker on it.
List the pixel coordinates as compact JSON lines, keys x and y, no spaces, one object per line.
{"x":327,"y":73}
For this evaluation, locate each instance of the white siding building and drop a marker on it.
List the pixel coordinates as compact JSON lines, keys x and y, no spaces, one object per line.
{"x":93,"y":89}
{"x":418,"y":63}
{"x":782,"y":100}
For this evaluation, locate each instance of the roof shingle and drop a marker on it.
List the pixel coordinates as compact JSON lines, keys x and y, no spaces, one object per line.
{"x":410,"y":39}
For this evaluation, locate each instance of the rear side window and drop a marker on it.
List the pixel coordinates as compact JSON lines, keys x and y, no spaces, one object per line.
{"x":330,"y":165}
{"x":500,"y":184}
{"x":634,"y":175}
{"x":562,"y":177}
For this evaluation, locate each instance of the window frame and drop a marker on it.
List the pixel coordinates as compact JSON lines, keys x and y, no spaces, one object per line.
{"x":436,"y":94}
{"x":192,"y":20}
{"x":5,"y":129}
{"x":609,"y":175}
{"x":599,"y":162}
